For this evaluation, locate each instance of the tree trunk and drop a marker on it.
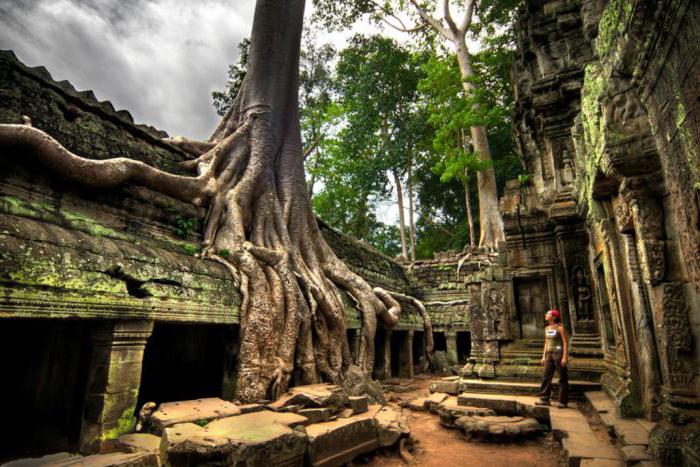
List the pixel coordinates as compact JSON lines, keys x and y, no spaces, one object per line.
{"x":411,"y":224}
{"x":402,"y":222}
{"x":491,"y":223}
{"x":468,"y":206}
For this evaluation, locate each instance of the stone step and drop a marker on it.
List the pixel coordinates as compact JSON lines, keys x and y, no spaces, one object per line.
{"x":577,"y":388}
{"x":628,"y":431}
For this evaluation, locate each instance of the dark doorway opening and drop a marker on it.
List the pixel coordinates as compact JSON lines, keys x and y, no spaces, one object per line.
{"x":440,"y":341}
{"x":379,"y":354}
{"x":464,"y":346}
{"x":605,"y":308}
{"x":352,"y":342}
{"x":419,"y":351}
{"x":397,"y":338}
{"x":532,"y":302}
{"x":184,"y":361}
{"x":44,"y":376}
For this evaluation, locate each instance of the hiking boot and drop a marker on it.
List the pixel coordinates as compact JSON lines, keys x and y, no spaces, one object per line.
{"x":542,"y":402}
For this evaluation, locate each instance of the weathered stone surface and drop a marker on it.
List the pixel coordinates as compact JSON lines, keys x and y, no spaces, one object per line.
{"x":138,"y":459}
{"x":254,"y":438}
{"x":635,"y":453}
{"x":450,"y":386}
{"x":449,"y":411}
{"x":600,"y":463}
{"x":391,"y":426}
{"x":192,"y":411}
{"x":249,"y":408}
{"x":434,"y":400}
{"x":359,"y":404}
{"x":189,"y":444}
{"x":135,"y":442}
{"x":418,"y":405}
{"x":579,"y":446}
{"x":629,"y":432}
{"x":500,"y":404}
{"x":317,"y":415}
{"x":345,"y":413}
{"x":498,"y":426}
{"x":338,"y":442}
{"x":312,"y":395}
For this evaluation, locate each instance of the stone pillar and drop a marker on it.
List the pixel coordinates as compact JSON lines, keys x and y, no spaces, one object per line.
{"x":387,"y":354}
{"x":451,"y":341}
{"x":406,"y":356}
{"x":113,"y":381}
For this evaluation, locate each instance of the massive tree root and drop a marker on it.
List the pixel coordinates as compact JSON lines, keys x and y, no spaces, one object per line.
{"x":259,"y":222}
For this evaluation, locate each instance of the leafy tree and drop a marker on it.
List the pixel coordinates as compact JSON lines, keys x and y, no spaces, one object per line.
{"x":478,"y":18}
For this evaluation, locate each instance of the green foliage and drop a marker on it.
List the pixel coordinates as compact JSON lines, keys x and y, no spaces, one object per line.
{"x":224,"y":253}
{"x":189,"y":249}
{"x":236,"y":72}
{"x":184,"y":226}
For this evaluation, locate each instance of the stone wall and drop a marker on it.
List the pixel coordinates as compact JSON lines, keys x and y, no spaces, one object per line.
{"x":608,"y":125}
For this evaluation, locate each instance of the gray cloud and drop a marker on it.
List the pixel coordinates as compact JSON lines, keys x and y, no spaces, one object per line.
{"x":159,"y":59}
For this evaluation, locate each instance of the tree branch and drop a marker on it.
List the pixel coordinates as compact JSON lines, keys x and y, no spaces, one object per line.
{"x":310,"y":148}
{"x":432,"y":21}
{"x":107,"y":173}
{"x":402,"y":27}
{"x":448,"y":16}
{"x":468,"y":16}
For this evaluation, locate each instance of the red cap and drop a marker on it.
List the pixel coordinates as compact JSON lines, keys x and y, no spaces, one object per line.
{"x":555,"y":313}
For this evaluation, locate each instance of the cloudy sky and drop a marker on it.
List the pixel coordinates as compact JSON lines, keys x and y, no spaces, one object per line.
{"x":159,"y":59}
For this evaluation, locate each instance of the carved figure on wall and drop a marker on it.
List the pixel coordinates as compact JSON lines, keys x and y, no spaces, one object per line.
{"x":582,"y":295}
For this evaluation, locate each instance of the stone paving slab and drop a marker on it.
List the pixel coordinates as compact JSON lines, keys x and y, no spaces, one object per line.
{"x":418,"y":405}
{"x":601,"y":463}
{"x":434,"y":400}
{"x":579,"y":446}
{"x":629,"y":432}
{"x":636,"y":453}
{"x":135,"y":442}
{"x":338,"y":442}
{"x":600,"y":401}
{"x":192,"y":411}
{"x":138,"y":459}
{"x":568,"y":421}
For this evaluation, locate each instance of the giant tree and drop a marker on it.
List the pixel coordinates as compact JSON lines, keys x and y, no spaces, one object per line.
{"x":475,"y":17}
{"x":250,"y":176}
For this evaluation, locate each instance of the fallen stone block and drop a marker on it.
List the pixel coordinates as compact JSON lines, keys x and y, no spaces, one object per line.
{"x":449,"y":411}
{"x":258,"y":438}
{"x":636,"y":453}
{"x":601,"y":463}
{"x":503,"y":405}
{"x":136,"y":442}
{"x":434,"y":400}
{"x":312,"y":396}
{"x":498,"y":427}
{"x":338,"y":442}
{"x":359,"y":404}
{"x":250,"y":408}
{"x":449,"y":387}
{"x":189,"y":444}
{"x":318,"y":415}
{"x":418,"y":405}
{"x":137,"y":459}
{"x":197,"y":411}
{"x":345,"y":413}
{"x":391,"y":426}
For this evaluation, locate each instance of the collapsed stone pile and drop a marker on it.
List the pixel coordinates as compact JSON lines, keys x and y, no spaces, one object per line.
{"x":501,"y":422}
{"x":317,"y":425}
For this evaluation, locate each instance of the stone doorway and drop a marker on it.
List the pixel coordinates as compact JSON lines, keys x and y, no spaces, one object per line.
{"x":44,"y":371}
{"x":464,"y":347}
{"x":532,"y":302}
{"x":185,"y":361}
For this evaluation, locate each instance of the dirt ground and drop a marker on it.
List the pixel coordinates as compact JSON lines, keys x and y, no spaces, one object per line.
{"x":443,"y":447}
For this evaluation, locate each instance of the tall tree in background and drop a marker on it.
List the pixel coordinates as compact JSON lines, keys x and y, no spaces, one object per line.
{"x":376,"y":84}
{"x":473,"y":17}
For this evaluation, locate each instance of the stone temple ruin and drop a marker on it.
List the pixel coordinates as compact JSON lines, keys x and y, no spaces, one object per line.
{"x":104,"y":306}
